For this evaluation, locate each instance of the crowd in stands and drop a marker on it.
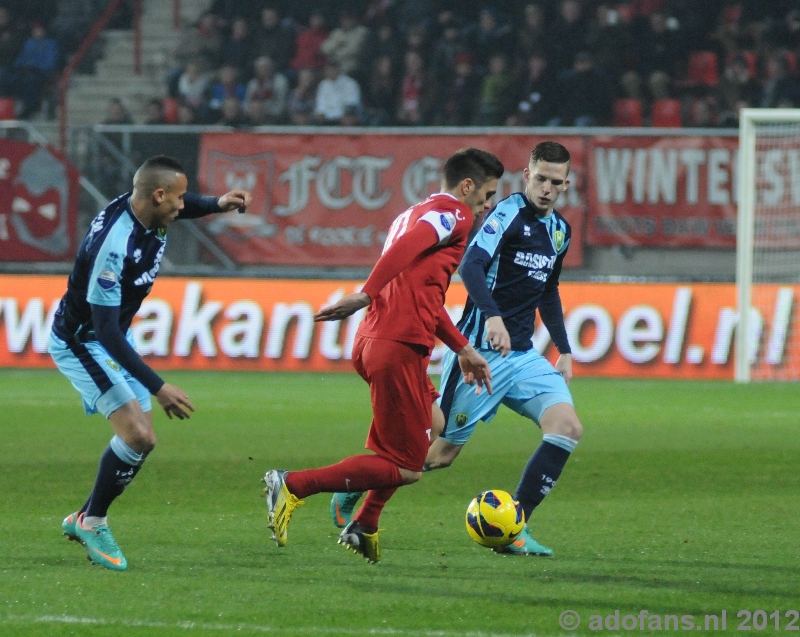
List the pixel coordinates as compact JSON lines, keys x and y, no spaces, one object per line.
{"x":36,"y":41}
{"x":464,"y":63}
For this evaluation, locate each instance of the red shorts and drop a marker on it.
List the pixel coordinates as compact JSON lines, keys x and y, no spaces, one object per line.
{"x":401,"y":394}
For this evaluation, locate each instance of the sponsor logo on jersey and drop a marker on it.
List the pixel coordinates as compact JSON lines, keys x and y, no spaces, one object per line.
{"x":491,"y":226}
{"x":558,"y":240}
{"x":447,"y":220}
{"x":137,"y":255}
{"x":534,"y":261}
{"x":461,"y":420}
{"x":113,"y":364}
{"x":148,"y":277}
{"x":107,"y":279}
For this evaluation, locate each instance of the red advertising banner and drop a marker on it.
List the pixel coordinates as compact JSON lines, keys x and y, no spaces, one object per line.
{"x":38,"y":203}
{"x":662,"y":191}
{"x":615,"y":329}
{"x":328,"y":200}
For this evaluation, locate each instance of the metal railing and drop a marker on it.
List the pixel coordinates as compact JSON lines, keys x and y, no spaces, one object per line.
{"x":97,"y":27}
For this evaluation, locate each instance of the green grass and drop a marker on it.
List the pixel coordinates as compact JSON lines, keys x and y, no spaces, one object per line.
{"x":682,"y":498}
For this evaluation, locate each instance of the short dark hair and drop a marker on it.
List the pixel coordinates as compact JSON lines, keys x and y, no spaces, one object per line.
{"x":162,"y":162}
{"x":552,"y":152}
{"x":471,"y":163}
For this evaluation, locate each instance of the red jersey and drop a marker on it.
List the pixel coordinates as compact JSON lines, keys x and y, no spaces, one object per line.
{"x":409,"y":281}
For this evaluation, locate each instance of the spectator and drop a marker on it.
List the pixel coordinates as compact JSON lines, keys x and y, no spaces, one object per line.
{"x":254,"y":113}
{"x":11,"y":39}
{"x":186,"y":115}
{"x":193,"y":86}
{"x":381,"y":94}
{"x":154,"y":115}
{"x":71,"y":23}
{"x":270,"y":88}
{"x":116,"y":113}
{"x":200,"y":44}
{"x":703,"y":113}
{"x":446,"y":49}
{"x":415,"y":92}
{"x":496,"y":98}
{"x":381,"y":41}
{"x":302,"y":98}
{"x":657,"y":49}
{"x":584,"y":94}
{"x":350,"y":117}
{"x":238,"y":50}
{"x":273,"y":39}
{"x":227,"y":85}
{"x":491,"y":38}
{"x":335,"y":92}
{"x":531,"y":35}
{"x":738,"y":88}
{"x":32,"y":69}
{"x":308,"y":54}
{"x":608,"y":40}
{"x":344,"y":44}
{"x":566,"y":35}
{"x":785,"y":32}
{"x":230,"y":112}
{"x":781,"y":89}
{"x":456,"y":104}
{"x":535,"y":103}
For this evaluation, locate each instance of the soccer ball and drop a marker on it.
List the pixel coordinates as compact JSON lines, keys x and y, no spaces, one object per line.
{"x":494,"y":518}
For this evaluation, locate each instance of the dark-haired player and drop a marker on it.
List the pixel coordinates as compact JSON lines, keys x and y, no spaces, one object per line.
{"x":405,"y":293}
{"x":91,"y":342}
{"x":510,"y":269}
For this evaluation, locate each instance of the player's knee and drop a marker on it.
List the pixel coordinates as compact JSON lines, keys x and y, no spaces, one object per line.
{"x":143,"y":440}
{"x":410,"y":477}
{"x":572,"y":428}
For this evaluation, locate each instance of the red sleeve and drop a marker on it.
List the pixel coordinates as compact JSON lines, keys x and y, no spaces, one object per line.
{"x":399,"y":256}
{"x":448,"y":333}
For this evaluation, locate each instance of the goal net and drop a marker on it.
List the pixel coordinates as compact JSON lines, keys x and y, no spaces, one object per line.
{"x":768,"y":245}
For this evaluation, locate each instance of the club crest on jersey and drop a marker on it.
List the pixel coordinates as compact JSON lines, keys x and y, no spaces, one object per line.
{"x":113,"y":364}
{"x":491,"y":227}
{"x":461,"y":420}
{"x":558,"y":239}
{"x":107,"y":279}
{"x":447,"y":220}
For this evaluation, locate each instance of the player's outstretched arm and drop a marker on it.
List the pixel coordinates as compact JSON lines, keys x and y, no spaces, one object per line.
{"x":475,"y":369}
{"x":195,"y":206}
{"x":346,"y":306}
{"x":497,"y":335}
{"x":174,"y":401}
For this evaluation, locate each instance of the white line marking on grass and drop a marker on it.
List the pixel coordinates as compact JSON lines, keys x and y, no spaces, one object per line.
{"x":294,"y":630}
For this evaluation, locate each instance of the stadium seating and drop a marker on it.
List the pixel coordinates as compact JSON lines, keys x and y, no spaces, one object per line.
{"x":6,"y":108}
{"x":628,"y":112}
{"x":170,"y":108}
{"x":666,"y":113}
{"x":702,"y":69}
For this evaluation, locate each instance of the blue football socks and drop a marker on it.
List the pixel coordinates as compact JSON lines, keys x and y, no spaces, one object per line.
{"x":542,"y":471}
{"x":119,"y":464}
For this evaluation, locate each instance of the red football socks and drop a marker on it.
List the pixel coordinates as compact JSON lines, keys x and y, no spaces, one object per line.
{"x":370,"y":511}
{"x":356,"y":473}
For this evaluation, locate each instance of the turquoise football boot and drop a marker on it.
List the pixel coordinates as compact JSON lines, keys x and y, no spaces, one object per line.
{"x":101,"y":547}
{"x":69,"y":526}
{"x":525,"y":545}
{"x":342,"y":507}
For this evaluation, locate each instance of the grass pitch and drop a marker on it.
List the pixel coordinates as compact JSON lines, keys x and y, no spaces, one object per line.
{"x":682,"y":499}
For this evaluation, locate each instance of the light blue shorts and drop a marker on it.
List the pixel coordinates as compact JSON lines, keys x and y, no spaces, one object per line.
{"x":102,"y":383}
{"x":523,"y":381}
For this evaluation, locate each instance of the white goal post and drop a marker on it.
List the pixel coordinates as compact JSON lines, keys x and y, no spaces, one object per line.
{"x":768,"y":245}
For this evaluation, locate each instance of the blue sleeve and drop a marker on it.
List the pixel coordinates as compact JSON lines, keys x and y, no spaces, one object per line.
{"x":473,"y":274}
{"x":106,"y":327}
{"x":551,"y":311}
{"x":195,"y":206}
{"x":104,"y":282}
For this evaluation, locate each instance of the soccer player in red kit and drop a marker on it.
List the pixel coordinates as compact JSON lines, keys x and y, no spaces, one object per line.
{"x":405,"y":293}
